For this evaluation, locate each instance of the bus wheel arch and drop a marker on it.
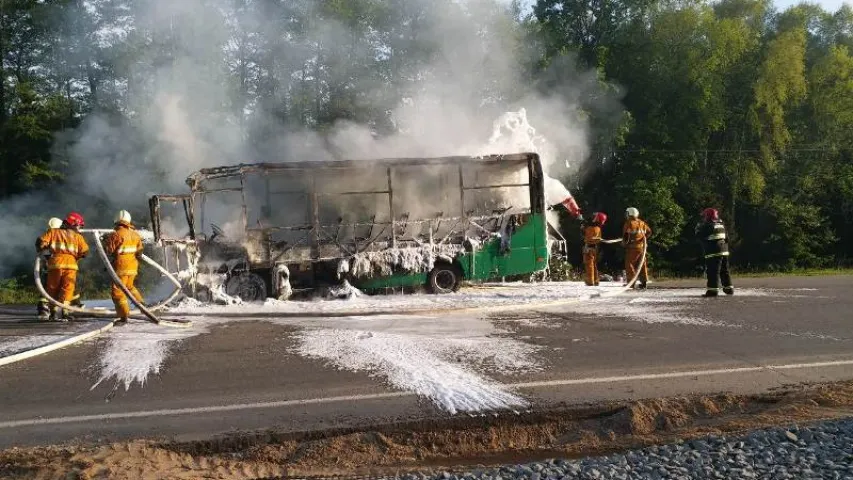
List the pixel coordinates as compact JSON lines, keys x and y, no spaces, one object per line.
{"x":444,"y":278}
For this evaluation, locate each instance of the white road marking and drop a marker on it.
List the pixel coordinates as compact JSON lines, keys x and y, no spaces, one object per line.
{"x":382,"y":396}
{"x":688,"y":373}
{"x":192,"y":410}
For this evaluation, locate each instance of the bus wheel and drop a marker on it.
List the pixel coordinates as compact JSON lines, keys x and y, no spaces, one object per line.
{"x":444,"y":278}
{"x":250,"y":287}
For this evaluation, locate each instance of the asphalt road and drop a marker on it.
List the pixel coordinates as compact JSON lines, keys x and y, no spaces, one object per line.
{"x":243,"y":376}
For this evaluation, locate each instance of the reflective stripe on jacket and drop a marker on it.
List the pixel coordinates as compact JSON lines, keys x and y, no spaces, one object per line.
{"x":124,"y":245}
{"x":66,"y":247}
{"x":712,"y":235}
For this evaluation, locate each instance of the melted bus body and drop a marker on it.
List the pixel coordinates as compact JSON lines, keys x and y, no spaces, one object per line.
{"x":263,"y":230}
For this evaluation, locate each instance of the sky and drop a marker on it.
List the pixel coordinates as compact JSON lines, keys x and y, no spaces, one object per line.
{"x":830,"y":5}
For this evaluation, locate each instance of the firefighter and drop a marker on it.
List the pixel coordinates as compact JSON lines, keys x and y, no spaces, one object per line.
{"x":591,"y":240}
{"x":124,"y":246}
{"x":65,"y":246}
{"x":635,"y":234}
{"x":711,"y":233}
{"x":43,"y":307}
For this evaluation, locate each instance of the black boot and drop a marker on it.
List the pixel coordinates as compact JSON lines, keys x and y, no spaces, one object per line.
{"x":710,"y":293}
{"x":120,"y":321}
{"x":43,"y":310}
{"x":729,"y":290}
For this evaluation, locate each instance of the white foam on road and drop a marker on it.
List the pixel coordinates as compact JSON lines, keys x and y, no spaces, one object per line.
{"x":656,"y":307}
{"x":493,"y":295}
{"x":431,"y":367}
{"x":13,"y":345}
{"x":10,"y":345}
{"x":670,"y":306}
{"x":136,"y":350}
{"x":450,"y":360}
{"x":645,"y":314}
{"x":444,"y":359}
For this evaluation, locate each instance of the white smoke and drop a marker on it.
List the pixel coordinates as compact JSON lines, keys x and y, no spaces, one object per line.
{"x":512,"y":132}
{"x":210,"y":83}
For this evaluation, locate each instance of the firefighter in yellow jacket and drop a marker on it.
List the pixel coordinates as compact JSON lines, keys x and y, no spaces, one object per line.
{"x":66,"y":246}
{"x":124,"y":246}
{"x":591,"y":242}
{"x":635,"y":234}
{"x":43,"y":308}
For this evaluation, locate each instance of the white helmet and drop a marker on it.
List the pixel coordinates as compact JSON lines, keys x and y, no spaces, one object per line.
{"x":54,"y":223}
{"x":123,"y":217}
{"x":632,"y":212}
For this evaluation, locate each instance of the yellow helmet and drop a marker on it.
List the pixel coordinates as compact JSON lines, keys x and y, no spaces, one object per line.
{"x":123,"y":216}
{"x":54,"y":223}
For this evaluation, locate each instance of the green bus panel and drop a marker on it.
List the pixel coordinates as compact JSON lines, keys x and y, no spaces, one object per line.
{"x":398,"y":280}
{"x":528,"y":254}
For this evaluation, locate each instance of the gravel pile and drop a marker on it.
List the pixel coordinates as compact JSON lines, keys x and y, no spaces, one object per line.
{"x":821,"y":451}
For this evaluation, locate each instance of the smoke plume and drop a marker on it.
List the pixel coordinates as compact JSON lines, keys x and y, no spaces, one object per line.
{"x":217,"y":82}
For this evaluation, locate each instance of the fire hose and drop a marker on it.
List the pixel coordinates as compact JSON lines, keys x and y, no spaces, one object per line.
{"x":640,"y":265}
{"x":146,"y":311}
{"x":117,"y":282}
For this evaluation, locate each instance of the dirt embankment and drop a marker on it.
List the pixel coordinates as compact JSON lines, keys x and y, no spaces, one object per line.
{"x":570,"y":432}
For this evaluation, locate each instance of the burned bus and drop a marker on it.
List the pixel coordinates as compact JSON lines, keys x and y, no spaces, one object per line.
{"x":266,"y":230}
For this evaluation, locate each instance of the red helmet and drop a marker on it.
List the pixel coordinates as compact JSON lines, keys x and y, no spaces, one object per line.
{"x":74,"y":219}
{"x":710,"y":214}
{"x":599,"y":218}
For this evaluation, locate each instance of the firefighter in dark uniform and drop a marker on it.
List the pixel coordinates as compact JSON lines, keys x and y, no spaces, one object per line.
{"x":711,"y":233}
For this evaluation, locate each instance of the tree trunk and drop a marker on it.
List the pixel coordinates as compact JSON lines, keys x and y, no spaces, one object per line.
{"x":735,"y":187}
{"x":317,"y":86}
{"x":92,"y":78}
{"x":2,"y":66}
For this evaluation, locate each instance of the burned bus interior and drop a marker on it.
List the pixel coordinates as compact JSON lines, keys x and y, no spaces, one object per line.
{"x":244,"y":222}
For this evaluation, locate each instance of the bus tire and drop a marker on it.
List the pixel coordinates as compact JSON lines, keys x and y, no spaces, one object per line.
{"x":249,"y":287}
{"x":444,"y":278}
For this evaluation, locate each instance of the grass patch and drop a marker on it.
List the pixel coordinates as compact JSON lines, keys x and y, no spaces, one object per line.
{"x":21,"y":291}
{"x":13,"y":291}
{"x":798,"y":272}
{"x":805,"y":272}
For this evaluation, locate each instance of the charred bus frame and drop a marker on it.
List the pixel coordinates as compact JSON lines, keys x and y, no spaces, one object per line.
{"x":468,"y":244}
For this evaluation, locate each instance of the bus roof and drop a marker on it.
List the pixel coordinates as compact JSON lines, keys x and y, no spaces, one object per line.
{"x":269,"y":168}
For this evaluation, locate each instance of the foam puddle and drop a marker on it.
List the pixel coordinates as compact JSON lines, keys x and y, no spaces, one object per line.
{"x":438,"y":358}
{"x":13,"y":345}
{"x":492,"y":296}
{"x":137,"y":350}
{"x":667,"y":306}
{"x":428,"y":366}
{"x":645,"y":314}
{"x":655,"y":307}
